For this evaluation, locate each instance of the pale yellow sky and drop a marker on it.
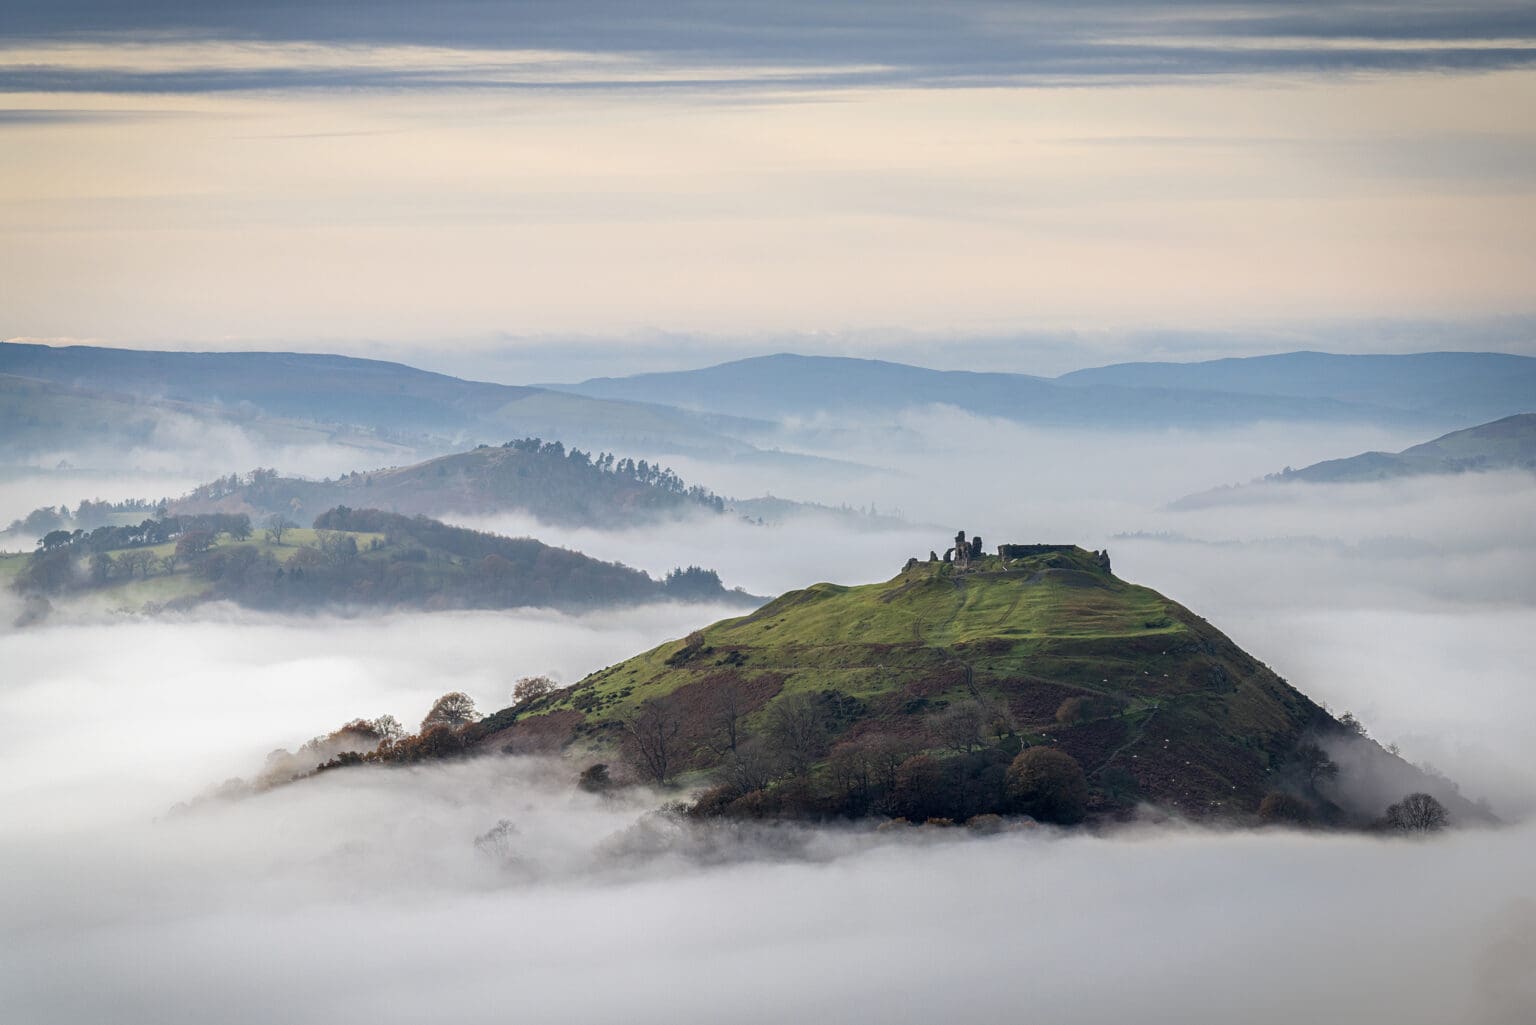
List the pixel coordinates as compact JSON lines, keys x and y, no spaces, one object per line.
{"x":448,"y":213}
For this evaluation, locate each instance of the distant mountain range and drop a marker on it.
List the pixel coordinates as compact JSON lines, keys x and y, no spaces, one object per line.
{"x":394,"y":401}
{"x":45,"y":418}
{"x":1441,"y":389}
{"x":734,"y":411}
{"x":1507,"y":444}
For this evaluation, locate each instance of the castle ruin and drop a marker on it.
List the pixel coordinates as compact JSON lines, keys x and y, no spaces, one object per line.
{"x":964,"y":551}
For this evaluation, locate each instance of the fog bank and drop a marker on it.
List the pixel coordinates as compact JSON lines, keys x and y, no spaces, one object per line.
{"x":363,"y":894}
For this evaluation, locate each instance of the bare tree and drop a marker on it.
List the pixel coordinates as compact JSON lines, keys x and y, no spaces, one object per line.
{"x":651,"y":735}
{"x":959,"y":726}
{"x":726,"y":718}
{"x":1417,"y":813}
{"x":531,"y":688}
{"x":277,"y":526}
{"x":853,"y":769}
{"x":452,"y":709}
{"x":797,"y":731}
{"x":751,"y":766}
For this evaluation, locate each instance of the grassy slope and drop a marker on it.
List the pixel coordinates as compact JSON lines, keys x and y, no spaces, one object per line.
{"x":1200,"y":724}
{"x":134,"y":595}
{"x":1503,"y":444}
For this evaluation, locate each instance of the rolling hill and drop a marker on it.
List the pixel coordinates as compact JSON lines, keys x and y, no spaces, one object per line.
{"x":352,"y":559}
{"x":1507,"y":444}
{"x":397,"y":401}
{"x":911,"y":697}
{"x":44,"y":418}
{"x":558,"y":486}
{"x":1461,"y":388}
{"x":1293,"y":387}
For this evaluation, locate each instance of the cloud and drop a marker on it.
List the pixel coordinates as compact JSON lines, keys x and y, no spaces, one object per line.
{"x":364,"y":894}
{"x":739,"y":46}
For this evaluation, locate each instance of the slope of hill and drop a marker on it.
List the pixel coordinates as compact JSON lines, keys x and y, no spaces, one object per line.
{"x":559,"y":486}
{"x":786,"y":386}
{"x":372,"y":394}
{"x":1458,"y":387}
{"x":912,"y":696}
{"x":353,"y":558}
{"x":40,"y":417}
{"x":1507,"y":444}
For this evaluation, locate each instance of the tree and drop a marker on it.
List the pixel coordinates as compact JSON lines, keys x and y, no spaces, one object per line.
{"x":240,"y":527}
{"x":920,"y":791}
{"x":1316,"y":766}
{"x":797,"y":731}
{"x":595,"y":779}
{"x":1417,"y":813}
{"x":194,"y":542}
{"x":277,"y":526}
{"x":1049,"y":785}
{"x":337,"y":546}
{"x":726,"y":716}
{"x":453,"y":709}
{"x":531,"y":688}
{"x":959,"y":726}
{"x":1278,"y":807}
{"x":651,"y":738}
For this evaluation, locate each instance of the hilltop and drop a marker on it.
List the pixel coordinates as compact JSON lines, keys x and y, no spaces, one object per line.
{"x":1507,"y":444}
{"x":913,"y":695}
{"x":351,"y":559}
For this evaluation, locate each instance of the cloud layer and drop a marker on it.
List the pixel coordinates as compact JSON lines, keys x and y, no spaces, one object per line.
{"x":365,"y":893}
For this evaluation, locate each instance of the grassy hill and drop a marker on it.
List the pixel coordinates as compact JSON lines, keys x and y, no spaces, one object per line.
{"x":813,"y":703}
{"x":351,"y":559}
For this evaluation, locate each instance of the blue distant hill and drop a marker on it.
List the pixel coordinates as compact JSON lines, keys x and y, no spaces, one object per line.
{"x":1431,"y":389}
{"x":390,"y":398}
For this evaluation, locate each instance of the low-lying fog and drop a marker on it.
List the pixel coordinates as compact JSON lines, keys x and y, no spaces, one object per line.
{"x":364,"y":893}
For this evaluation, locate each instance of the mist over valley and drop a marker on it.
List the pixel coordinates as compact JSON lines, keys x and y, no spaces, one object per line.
{"x":826,"y":512}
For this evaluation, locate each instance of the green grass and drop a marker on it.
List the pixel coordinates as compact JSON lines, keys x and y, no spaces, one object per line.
{"x":161,"y":587}
{"x":1026,"y":634}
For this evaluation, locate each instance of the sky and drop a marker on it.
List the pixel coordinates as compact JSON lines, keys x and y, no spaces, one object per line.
{"x":1016,"y":186}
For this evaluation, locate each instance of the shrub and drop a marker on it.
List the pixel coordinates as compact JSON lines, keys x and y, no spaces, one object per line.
{"x":1277,"y":807}
{"x":595,"y":779}
{"x":1049,"y":785}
